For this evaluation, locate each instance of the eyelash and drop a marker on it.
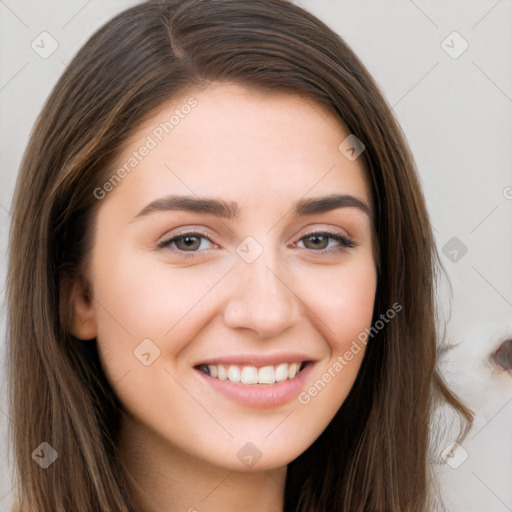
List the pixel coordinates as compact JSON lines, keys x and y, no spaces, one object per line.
{"x":345,"y":243}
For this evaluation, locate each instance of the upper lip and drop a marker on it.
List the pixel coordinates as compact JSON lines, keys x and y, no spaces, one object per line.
{"x":257,"y":359}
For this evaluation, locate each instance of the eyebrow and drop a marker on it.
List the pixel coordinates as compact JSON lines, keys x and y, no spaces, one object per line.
{"x":231,"y":210}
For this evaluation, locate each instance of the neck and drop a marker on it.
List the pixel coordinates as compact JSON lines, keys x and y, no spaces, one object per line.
{"x":164,"y":478}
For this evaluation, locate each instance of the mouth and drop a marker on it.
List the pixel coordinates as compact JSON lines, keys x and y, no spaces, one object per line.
{"x":252,"y":375}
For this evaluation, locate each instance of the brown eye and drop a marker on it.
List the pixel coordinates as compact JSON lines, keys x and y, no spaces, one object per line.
{"x":316,"y":241}
{"x":187,"y":242}
{"x":324,"y":242}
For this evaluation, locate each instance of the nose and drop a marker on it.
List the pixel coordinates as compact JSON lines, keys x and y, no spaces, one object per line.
{"x":261,"y":298}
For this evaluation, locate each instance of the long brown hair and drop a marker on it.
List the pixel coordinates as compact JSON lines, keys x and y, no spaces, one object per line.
{"x":373,"y":455}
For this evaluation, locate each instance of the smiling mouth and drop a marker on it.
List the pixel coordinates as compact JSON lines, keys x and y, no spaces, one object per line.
{"x":252,"y":375}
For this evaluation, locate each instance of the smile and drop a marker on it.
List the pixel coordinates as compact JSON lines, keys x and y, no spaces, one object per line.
{"x":264,"y":386}
{"x":251,"y":375}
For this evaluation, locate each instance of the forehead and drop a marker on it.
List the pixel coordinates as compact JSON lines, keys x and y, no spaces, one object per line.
{"x":226,"y":140}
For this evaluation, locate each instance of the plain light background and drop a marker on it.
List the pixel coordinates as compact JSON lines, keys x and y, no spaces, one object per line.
{"x":456,"y":112}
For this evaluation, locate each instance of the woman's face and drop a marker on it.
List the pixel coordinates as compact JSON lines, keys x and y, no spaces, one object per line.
{"x":235,"y":246}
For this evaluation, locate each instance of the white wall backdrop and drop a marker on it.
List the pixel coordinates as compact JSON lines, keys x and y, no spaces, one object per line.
{"x":446,"y":68}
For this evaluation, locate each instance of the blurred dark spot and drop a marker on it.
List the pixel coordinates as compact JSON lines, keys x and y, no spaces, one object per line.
{"x":502,"y":356}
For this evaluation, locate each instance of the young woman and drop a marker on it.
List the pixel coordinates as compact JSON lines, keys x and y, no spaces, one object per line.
{"x":222,"y":276}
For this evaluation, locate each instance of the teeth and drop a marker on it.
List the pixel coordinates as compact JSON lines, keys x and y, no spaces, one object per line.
{"x":234,"y":373}
{"x":249,"y":375}
{"x":281,"y":372}
{"x":221,"y":373}
{"x":293,"y":369}
{"x":266,"y":375}
{"x":252,"y":375}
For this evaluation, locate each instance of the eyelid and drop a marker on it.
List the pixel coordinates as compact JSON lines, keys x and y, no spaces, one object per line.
{"x":318,"y":229}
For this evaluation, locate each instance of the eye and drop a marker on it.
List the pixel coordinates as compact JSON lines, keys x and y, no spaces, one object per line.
{"x":326,"y":242}
{"x":194,"y":242}
{"x":187,"y":242}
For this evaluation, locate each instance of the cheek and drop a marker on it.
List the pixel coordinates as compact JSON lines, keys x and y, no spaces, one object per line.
{"x":137,"y":299}
{"x":342,"y":302}
{"x":346,"y":313}
{"x":342,"y":299}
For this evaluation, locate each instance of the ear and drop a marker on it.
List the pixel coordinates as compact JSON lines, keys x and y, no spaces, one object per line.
{"x":81,"y":310}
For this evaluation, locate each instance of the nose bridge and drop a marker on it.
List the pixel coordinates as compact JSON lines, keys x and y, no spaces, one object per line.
{"x":260,"y":298}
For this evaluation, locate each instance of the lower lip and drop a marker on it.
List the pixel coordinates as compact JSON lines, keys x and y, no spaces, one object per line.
{"x":261,"y":396}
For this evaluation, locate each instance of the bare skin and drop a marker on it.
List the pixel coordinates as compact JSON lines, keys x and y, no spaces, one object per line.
{"x":305,"y":296}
